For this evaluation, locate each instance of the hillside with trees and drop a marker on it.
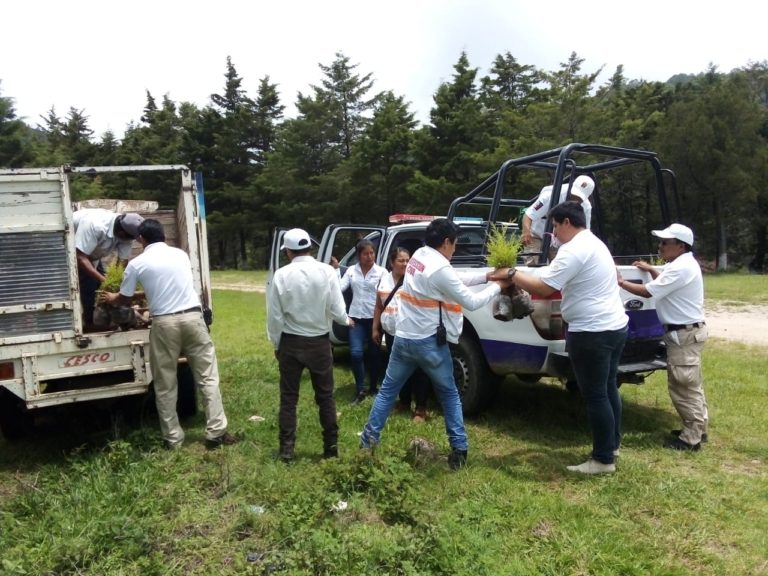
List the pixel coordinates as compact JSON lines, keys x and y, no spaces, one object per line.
{"x":353,"y":154}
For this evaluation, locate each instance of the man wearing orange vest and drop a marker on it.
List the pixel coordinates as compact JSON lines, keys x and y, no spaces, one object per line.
{"x":430,"y":316}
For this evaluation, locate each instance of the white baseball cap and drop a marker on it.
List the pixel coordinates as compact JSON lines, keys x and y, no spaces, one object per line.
{"x":130,"y":224}
{"x":583,"y":187}
{"x":676,"y":231}
{"x":296,"y":239}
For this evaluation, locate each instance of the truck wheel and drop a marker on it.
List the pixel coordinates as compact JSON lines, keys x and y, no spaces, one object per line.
{"x":474,"y":380}
{"x":186,"y":402}
{"x":15,"y":419}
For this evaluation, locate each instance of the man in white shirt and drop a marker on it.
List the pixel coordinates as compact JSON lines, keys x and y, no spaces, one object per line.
{"x":430,"y":316}
{"x":584,"y":272}
{"x":98,"y":233}
{"x":535,"y":216}
{"x":304,"y":300}
{"x":178,"y":329}
{"x":679,"y":294}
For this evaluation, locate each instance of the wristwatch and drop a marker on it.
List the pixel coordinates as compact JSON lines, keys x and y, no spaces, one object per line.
{"x":511,"y":273}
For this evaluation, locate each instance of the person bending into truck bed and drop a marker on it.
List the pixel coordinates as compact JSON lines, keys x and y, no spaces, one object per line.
{"x":679,"y":293}
{"x":535,"y":216}
{"x":178,"y":328}
{"x":430,"y":316}
{"x":98,"y":233}
{"x":584,"y":272}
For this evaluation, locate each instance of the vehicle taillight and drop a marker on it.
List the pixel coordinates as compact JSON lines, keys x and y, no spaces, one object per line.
{"x":6,"y":371}
{"x":546,"y":316}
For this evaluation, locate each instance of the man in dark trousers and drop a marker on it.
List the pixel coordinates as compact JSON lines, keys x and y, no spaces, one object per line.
{"x":305,"y":297}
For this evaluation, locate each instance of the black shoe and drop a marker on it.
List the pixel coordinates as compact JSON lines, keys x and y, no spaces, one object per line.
{"x":332,"y":452}
{"x":457,"y":459}
{"x":359,"y":398}
{"x":225,"y":439}
{"x":676,"y":434}
{"x":677,"y":444}
{"x":285,"y":456}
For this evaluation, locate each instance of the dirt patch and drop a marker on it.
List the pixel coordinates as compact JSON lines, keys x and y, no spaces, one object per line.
{"x":240,"y":287}
{"x":739,"y":323}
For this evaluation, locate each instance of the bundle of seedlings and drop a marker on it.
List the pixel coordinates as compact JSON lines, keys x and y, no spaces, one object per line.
{"x":503,"y":248}
{"x":106,"y":315}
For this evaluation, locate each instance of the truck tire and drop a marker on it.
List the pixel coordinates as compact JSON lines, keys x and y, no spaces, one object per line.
{"x":186,"y":401}
{"x":15,"y":420}
{"x":474,"y":381}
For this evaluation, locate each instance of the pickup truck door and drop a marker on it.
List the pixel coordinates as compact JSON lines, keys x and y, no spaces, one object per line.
{"x":339,"y":241}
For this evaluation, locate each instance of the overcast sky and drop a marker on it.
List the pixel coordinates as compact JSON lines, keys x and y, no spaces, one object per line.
{"x":101,"y":56}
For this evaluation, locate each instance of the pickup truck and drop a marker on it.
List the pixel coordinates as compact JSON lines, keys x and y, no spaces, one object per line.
{"x":533,"y":347}
{"x":46,"y":356}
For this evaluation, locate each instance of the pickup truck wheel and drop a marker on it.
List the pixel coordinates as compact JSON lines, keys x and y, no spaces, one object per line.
{"x":15,"y":420}
{"x":186,"y":401}
{"x":474,"y":380}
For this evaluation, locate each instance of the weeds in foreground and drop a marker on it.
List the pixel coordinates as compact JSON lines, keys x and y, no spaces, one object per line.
{"x":80,"y":497}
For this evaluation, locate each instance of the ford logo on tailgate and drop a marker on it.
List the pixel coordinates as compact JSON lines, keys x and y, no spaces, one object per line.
{"x":633,"y":304}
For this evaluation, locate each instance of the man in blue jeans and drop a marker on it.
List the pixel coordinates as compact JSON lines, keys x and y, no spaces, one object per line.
{"x":584,"y":272}
{"x":430,"y":316}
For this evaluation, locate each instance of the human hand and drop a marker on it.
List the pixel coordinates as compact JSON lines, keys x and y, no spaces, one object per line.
{"x":376,"y":335}
{"x":350,"y":322}
{"x":499,"y":274}
{"x":109,"y":298}
{"x":642,"y":265}
{"x":526,"y":237}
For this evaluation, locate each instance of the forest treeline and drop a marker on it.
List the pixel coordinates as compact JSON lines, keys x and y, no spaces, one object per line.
{"x":353,"y":154}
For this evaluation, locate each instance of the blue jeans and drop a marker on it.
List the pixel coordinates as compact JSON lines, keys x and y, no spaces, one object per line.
{"x":595,"y":359}
{"x":436,"y":362}
{"x":363,"y":350}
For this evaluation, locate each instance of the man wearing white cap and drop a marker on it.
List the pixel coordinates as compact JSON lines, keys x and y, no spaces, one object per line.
{"x":304,"y":299}
{"x":679,"y":294}
{"x":535,"y":216}
{"x":98,"y":233}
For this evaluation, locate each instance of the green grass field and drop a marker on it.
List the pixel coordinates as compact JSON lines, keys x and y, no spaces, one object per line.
{"x":94,"y":493}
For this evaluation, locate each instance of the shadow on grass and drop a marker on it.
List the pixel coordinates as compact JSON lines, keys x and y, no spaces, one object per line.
{"x":61,"y":431}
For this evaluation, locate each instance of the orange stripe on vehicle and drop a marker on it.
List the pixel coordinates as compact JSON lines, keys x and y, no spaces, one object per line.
{"x":421,"y":303}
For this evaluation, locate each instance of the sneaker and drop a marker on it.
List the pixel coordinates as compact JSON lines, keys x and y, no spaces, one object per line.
{"x":225,"y":439}
{"x":676,"y":434}
{"x":592,"y":466}
{"x":172,"y":446}
{"x":677,"y":444}
{"x":359,"y":398}
{"x":420,"y":416}
{"x":457,"y":459}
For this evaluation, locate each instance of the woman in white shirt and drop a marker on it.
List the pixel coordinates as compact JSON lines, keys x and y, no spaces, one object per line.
{"x":363,"y":278}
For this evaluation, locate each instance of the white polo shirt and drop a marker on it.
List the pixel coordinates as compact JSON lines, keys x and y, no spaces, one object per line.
{"x":537,"y":211}
{"x":584,"y":272}
{"x":363,"y":289}
{"x":95,"y":235}
{"x":679,"y":291}
{"x":166,"y":275}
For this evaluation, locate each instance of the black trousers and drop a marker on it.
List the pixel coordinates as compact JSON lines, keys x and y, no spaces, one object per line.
{"x":294,"y":355}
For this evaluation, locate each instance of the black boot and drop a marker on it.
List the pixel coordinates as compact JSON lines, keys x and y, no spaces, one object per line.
{"x":457,"y":458}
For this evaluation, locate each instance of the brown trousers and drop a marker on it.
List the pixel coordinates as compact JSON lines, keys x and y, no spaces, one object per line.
{"x":685,"y":380}
{"x":313,"y":353}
